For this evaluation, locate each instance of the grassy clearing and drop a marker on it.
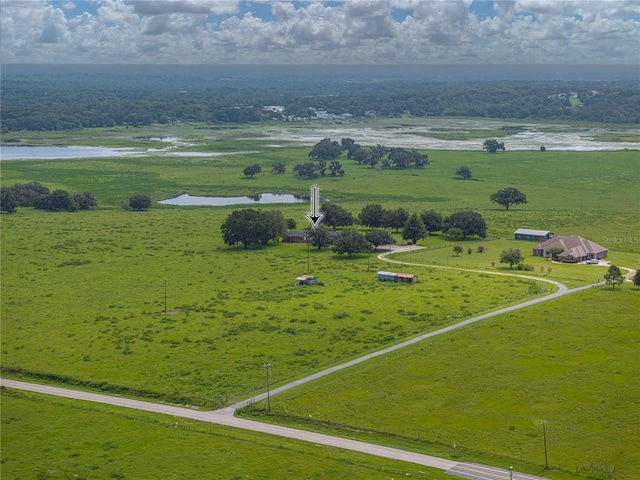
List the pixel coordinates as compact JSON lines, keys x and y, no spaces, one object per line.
{"x":70,"y":439}
{"x":557,"y":361}
{"x":83,"y":297}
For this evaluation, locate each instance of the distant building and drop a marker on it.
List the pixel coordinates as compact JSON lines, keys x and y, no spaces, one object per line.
{"x":536,"y":235}
{"x":296,"y":237}
{"x":396,"y":277}
{"x":274,"y":108}
{"x":301,"y":236}
{"x":576,"y":249}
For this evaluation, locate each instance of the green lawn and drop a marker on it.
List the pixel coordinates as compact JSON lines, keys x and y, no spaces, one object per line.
{"x":441,"y":253}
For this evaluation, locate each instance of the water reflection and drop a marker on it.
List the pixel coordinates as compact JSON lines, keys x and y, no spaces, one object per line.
{"x":185,"y":200}
{"x":10,"y":152}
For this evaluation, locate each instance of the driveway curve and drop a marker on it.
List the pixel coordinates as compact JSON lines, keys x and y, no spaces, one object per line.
{"x":226,"y":416}
{"x":561,"y":290}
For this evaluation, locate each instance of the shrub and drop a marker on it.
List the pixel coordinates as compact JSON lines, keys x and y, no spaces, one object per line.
{"x":139,"y":202}
{"x":525,"y":267}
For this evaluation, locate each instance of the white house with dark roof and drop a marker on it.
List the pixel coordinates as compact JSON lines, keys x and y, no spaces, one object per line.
{"x":576,"y":249}
{"x":528,"y":234}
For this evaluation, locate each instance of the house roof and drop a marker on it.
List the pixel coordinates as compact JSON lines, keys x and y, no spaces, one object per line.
{"x":305,"y":277}
{"x":573,"y":245}
{"x":528,"y":231}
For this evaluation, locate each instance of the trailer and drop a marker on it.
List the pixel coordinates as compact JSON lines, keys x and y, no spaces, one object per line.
{"x":396,"y":277}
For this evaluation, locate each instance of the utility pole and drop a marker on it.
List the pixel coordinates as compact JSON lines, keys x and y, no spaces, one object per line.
{"x":544,"y":436}
{"x":266,"y":366}
{"x":165,"y":297}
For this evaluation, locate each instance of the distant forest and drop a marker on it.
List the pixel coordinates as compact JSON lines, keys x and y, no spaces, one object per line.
{"x":65,"y":99}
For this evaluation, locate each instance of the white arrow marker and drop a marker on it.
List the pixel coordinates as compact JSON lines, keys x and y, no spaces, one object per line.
{"x":316,"y":215}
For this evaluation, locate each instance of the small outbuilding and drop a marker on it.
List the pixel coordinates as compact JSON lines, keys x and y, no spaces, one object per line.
{"x":302,"y":236}
{"x":535,"y":235}
{"x":396,"y":277}
{"x":295,"y":237}
{"x":306,"y":280}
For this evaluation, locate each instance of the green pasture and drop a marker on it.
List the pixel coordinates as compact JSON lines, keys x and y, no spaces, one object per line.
{"x":586,"y":193}
{"x":51,"y":438}
{"x":486,"y":388}
{"x":83,"y":302}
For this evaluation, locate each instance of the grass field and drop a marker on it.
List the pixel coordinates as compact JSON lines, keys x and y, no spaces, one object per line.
{"x":558,"y":361}
{"x":85,"y":441}
{"x":83,"y":299}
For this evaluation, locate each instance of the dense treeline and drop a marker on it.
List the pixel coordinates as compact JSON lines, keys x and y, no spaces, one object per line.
{"x":69,"y":100}
{"x":255,"y":227}
{"x":36,"y":195}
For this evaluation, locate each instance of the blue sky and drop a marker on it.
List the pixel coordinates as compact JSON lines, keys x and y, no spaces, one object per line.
{"x":295,"y":32}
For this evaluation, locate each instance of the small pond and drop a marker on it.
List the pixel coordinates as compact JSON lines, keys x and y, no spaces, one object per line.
{"x":10,"y":152}
{"x":185,"y":200}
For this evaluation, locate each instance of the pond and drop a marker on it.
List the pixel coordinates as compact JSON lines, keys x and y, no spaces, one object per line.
{"x":185,"y":200}
{"x":10,"y":152}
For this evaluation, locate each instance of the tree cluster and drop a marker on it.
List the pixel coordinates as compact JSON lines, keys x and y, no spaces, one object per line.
{"x":395,"y":157}
{"x":336,"y":216}
{"x":253,"y":227}
{"x":492,"y":145}
{"x":417,"y":226}
{"x":36,"y":195}
{"x":81,"y":98}
{"x":319,"y":169}
{"x":252,"y":170}
{"x":139,"y":202}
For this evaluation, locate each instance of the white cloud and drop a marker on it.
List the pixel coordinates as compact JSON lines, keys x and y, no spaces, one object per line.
{"x":165,"y":7}
{"x":355,"y":31}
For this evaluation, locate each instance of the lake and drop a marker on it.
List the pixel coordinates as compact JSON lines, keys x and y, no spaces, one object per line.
{"x":185,"y":200}
{"x":10,"y":152}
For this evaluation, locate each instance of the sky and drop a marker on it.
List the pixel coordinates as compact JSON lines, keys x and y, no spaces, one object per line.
{"x":459,"y":32}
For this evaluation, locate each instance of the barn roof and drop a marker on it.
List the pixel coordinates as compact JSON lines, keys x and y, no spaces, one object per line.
{"x":528,"y":231}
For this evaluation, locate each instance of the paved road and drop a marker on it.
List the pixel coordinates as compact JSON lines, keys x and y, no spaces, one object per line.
{"x":226,"y":416}
{"x":454,"y":468}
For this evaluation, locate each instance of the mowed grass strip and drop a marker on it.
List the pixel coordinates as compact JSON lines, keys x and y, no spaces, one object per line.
{"x":49,"y":438}
{"x":572,"y":362}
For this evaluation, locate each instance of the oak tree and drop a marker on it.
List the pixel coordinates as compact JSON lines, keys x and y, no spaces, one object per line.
{"x":508,"y":196}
